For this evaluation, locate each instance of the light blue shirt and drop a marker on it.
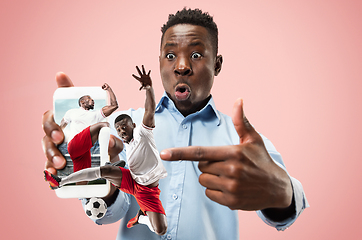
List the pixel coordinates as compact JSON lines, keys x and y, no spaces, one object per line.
{"x":190,"y":214}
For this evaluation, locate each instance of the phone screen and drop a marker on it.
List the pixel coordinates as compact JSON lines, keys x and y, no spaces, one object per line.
{"x":65,"y":99}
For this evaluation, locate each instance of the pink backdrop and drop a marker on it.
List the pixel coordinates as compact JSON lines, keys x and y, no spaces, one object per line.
{"x":297,"y":64}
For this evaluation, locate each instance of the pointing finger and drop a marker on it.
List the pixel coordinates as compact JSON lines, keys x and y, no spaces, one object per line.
{"x":195,"y":153}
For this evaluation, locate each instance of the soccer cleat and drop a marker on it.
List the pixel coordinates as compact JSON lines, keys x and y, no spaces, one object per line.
{"x":52,"y":179}
{"x":134,"y":221}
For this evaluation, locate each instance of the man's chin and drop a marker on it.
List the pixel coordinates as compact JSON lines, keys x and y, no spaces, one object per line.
{"x":184,"y":105}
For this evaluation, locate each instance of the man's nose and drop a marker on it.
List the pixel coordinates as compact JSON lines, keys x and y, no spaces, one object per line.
{"x":182,"y":67}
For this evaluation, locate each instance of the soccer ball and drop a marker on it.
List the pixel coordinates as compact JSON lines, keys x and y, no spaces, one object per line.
{"x":95,"y":208}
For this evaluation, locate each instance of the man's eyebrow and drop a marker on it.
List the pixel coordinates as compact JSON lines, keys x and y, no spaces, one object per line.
{"x":170,"y":44}
{"x":173,"y":44}
{"x":197,"y":43}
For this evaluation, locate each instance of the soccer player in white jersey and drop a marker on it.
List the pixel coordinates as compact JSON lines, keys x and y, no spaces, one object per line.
{"x":145,"y":164}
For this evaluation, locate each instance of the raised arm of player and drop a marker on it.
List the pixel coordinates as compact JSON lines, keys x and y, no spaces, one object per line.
{"x":109,"y":109}
{"x":150,"y":103}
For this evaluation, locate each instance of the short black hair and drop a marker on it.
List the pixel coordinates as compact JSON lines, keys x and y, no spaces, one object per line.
{"x":194,"y":17}
{"x":81,"y":99}
{"x":121,"y":117}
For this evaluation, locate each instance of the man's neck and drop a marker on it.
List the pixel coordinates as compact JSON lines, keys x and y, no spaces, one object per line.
{"x":195,"y":107}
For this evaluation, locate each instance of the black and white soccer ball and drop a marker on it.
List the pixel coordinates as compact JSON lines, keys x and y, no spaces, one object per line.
{"x":95,"y":208}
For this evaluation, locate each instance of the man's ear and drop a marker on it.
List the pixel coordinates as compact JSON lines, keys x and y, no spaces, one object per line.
{"x":218,"y":64}
{"x":134,"y":125}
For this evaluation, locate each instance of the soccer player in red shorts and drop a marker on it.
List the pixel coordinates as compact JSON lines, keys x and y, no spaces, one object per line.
{"x":86,"y":127}
{"x":144,"y":187}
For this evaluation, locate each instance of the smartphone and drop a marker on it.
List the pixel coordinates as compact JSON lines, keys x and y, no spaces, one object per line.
{"x":65,"y":99}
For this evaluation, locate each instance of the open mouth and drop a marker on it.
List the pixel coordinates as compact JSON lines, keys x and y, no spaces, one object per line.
{"x":124,"y":137}
{"x":182,"y":92}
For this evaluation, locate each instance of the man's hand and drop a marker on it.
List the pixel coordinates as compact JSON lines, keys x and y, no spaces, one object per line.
{"x":53,"y":133}
{"x":105,"y":86}
{"x":239,"y":176}
{"x":144,"y":78}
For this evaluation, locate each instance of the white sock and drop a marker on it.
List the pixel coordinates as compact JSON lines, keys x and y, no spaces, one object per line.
{"x":103,"y":140}
{"x":87,"y":174}
{"x":145,"y":220}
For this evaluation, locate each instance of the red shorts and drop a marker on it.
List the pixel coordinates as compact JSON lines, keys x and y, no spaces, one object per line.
{"x":147,"y":198}
{"x":79,"y":150}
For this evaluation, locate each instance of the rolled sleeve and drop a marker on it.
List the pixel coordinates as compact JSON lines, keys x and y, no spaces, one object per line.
{"x":298,"y":193}
{"x":300,"y":204}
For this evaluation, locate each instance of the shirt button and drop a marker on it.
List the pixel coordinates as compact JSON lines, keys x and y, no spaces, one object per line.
{"x":169,"y":236}
{"x":174,"y":196}
{"x":184,"y":126}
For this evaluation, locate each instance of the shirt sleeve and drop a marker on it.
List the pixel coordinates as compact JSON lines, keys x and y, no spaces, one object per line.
{"x":67,"y":116}
{"x":298,"y":193}
{"x":116,"y":211}
{"x":145,"y":132}
{"x":100,"y":115}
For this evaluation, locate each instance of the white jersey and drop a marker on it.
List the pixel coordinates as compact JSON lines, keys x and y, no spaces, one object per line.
{"x":78,"y":119}
{"x":143,"y":157}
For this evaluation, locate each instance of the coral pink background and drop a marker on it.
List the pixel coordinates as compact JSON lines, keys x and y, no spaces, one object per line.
{"x":297,"y":64}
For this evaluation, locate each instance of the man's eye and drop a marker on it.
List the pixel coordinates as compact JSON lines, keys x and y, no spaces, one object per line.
{"x":170,"y":56}
{"x":196,"y":55}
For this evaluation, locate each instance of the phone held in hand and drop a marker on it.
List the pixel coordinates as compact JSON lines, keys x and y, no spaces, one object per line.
{"x":65,"y":99}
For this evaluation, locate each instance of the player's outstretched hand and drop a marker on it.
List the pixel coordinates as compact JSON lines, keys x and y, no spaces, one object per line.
{"x":144,"y":78}
{"x":53,"y":133}
{"x":239,"y":176}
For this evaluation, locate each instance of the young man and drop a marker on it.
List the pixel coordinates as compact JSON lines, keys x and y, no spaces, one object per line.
{"x":145,"y":165}
{"x":238,"y":168}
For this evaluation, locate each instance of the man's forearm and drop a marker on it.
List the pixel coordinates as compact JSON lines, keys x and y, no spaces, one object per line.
{"x":112,"y":98}
{"x":109,"y":109}
{"x":150,"y":103}
{"x":280,"y":214}
{"x":150,"y":106}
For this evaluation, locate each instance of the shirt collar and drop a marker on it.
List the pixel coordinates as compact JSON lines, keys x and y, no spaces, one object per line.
{"x":166,"y":102}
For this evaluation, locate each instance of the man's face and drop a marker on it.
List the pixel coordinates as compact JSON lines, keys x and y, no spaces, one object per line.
{"x":125,"y":129}
{"x":188,"y":66}
{"x":88,"y":103}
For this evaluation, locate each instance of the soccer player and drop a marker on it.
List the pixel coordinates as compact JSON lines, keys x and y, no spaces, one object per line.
{"x":145,"y":165}
{"x":86,"y":127}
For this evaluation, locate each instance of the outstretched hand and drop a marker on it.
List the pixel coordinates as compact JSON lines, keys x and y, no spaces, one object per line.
{"x":144,"y":78}
{"x":239,"y":176}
